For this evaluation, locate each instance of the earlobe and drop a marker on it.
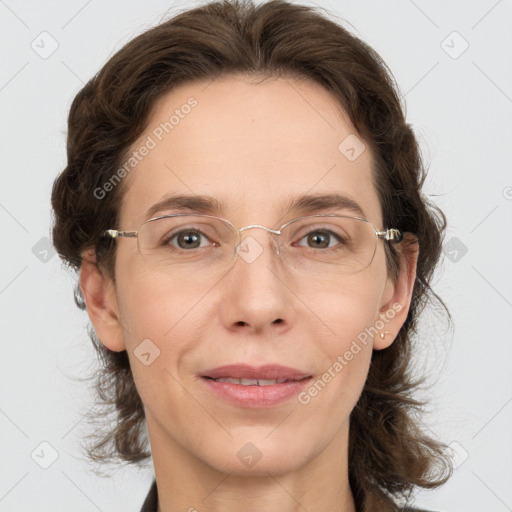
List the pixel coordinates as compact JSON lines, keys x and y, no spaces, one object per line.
{"x":397,"y":296}
{"x":101,"y":302}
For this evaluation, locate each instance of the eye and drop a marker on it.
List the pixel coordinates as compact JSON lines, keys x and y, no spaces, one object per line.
{"x":188,"y":239}
{"x":320,"y":239}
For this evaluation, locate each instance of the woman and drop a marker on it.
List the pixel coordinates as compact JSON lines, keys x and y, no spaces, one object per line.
{"x":243,"y":202}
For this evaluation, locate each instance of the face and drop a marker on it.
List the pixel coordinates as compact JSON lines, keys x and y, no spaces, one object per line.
{"x":254,"y":148}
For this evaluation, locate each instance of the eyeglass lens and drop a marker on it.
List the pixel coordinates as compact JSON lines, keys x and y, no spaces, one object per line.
{"x":206,"y":245}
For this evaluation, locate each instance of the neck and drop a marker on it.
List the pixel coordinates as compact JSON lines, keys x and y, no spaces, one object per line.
{"x":186,"y":483}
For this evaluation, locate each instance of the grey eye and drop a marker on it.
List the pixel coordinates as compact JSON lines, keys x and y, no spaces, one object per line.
{"x":189,"y":239}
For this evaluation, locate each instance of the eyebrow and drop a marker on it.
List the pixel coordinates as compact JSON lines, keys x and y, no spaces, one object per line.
{"x":186,"y":203}
{"x":207,"y":205}
{"x":320,"y":202}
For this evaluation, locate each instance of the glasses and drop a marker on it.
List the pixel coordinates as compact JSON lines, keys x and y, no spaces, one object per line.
{"x":200,"y":245}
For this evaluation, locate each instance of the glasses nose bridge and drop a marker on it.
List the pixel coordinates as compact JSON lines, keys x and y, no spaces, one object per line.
{"x":252,"y":226}
{"x":259,"y":226}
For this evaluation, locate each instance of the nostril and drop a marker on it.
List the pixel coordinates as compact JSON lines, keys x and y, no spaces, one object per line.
{"x":241,"y":322}
{"x":278,"y":321}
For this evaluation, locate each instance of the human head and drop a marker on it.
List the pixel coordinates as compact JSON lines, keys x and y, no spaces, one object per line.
{"x":274,"y":40}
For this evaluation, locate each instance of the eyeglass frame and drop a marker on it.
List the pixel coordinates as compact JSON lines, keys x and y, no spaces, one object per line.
{"x":393,"y":235}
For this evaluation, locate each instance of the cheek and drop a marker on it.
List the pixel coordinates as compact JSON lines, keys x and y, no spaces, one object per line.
{"x":349,"y":308}
{"x":166,"y":318}
{"x":161,"y":324}
{"x":345,"y":346}
{"x":154,"y":305}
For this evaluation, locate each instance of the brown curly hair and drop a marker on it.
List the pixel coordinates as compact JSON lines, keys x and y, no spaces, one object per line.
{"x":389,"y":453}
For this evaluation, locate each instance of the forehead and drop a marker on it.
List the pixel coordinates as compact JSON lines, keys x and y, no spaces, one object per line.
{"x":253,"y":145}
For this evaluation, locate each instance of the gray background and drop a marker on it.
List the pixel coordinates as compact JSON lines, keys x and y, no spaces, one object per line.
{"x":460,"y":104}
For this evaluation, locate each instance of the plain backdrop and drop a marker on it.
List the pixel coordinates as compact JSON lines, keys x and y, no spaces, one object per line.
{"x":452,"y":60}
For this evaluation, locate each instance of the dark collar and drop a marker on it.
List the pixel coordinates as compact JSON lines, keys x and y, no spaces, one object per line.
{"x":151,"y":501}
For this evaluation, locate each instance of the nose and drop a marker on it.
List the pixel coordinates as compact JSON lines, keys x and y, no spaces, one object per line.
{"x":258,"y":296}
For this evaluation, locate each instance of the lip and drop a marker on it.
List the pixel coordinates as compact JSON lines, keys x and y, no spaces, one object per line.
{"x":245,"y":371}
{"x":255,"y":396}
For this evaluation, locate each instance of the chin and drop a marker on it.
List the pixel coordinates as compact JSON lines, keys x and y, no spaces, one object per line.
{"x":257,"y":456}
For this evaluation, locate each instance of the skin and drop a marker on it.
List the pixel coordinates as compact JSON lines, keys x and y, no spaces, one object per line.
{"x":253,"y":145}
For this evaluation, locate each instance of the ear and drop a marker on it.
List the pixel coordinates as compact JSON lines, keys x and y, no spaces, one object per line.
{"x":396,"y":298}
{"x":101,"y":301}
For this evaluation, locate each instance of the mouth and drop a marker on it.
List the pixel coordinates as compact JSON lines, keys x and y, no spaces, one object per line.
{"x":255,"y":387}
{"x":253,"y":382}
{"x":245,"y":373}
